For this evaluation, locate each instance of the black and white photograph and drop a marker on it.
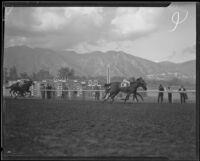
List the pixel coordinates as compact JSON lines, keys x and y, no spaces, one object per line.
{"x":99,"y":81}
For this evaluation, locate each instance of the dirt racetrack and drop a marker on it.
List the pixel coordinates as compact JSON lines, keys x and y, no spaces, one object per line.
{"x":87,"y":128}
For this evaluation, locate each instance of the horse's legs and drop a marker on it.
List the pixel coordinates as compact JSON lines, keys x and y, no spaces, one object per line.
{"x":15,"y":93}
{"x":112,"y":97}
{"x":127,"y":97}
{"x":22,"y":94}
{"x":136,"y":97}
{"x":140,"y":96}
{"x":104,"y":96}
{"x":107,"y":96}
{"x":29,"y":93}
{"x":10,"y":92}
{"x":106,"y":92}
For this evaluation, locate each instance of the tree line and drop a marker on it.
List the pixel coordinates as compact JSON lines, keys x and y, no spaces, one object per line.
{"x":42,"y":74}
{"x":69,"y":73}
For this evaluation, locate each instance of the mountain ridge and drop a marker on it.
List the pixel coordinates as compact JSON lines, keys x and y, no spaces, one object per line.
{"x":95,"y":63}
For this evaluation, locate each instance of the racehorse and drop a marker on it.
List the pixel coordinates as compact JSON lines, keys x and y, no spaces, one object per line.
{"x":13,"y":88}
{"x":115,"y":88}
{"x":107,"y":91}
{"x":22,"y":89}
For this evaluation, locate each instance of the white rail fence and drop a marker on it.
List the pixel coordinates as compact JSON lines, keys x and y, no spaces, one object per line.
{"x":147,"y":91}
{"x":84,"y":94}
{"x":103,"y":91}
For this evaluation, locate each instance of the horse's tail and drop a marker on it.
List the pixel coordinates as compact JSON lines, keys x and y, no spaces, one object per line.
{"x":107,"y":85}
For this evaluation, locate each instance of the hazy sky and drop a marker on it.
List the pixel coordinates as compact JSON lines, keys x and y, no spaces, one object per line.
{"x":146,"y":32}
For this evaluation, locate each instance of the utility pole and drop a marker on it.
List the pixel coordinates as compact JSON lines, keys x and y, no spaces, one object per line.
{"x":108,"y":73}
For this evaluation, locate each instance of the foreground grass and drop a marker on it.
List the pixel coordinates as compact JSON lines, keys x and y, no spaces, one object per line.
{"x":78,"y":128}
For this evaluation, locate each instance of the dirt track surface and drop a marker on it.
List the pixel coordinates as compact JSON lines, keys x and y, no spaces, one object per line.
{"x":84,"y":128}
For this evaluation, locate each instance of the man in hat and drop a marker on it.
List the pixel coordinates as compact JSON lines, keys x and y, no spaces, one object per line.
{"x":169,"y":94}
{"x":42,"y":90}
{"x":160,"y":93}
{"x":183,"y":94}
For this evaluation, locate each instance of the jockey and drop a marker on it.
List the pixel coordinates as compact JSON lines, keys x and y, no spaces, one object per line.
{"x":21,"y":82}
{"x":126,"y":82}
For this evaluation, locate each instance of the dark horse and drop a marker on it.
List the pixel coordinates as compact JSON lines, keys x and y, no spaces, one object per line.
{"x":17,"y":89}
{"x":115,"y":88}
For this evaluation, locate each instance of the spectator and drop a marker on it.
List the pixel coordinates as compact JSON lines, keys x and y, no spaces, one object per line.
{"x":64,"y":91}
{"x":161,"y":93}
{"x":97,"y":93}
{"x":75,"y":94}
{"x":53,"y":91}
{"x":169,"y":94}
{"x":183,"y":94}
{"x":42,"y":90}
{"x":48,"y":91}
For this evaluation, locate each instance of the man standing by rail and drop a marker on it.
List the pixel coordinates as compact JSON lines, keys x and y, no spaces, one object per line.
{"x":42,"y":90}
{"x":160,"y":93}
{"x":97,"y":93}
{"x":183,"y":94}
{"x":48,"y":91}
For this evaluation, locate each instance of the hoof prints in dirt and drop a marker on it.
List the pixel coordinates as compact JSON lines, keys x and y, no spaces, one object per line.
{"x":92,"y":129}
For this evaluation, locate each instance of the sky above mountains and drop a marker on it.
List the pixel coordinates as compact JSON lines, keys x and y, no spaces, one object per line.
{"x":153,"y":33}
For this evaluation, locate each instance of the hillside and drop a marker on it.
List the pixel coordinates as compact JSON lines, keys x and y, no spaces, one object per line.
{"x":31,"y":60}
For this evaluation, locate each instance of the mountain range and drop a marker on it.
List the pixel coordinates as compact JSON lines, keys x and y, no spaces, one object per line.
{"x":30,"y":60}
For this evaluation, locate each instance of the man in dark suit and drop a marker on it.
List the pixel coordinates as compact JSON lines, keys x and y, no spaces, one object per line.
{"x":42,"y":89}
{"x":160,"y":93}
{"x":97,"y":93}
{"x":183,"y":94}
{"x":48,"y":91}
{"x":169,"y":94}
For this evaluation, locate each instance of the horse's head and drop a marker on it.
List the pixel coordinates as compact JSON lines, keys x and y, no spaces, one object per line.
{"x":141,"y":83}
{"x":30,"y":83}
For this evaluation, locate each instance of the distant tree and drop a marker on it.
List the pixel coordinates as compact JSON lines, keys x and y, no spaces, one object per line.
{"x":175,"y":81}
{"x":66,"y":72}
{"x":34,"y":76}
{"x":83,"y":77}
{"x":24,"y":75}
{"x":42,"y":75}
{"x":13,"y":73}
